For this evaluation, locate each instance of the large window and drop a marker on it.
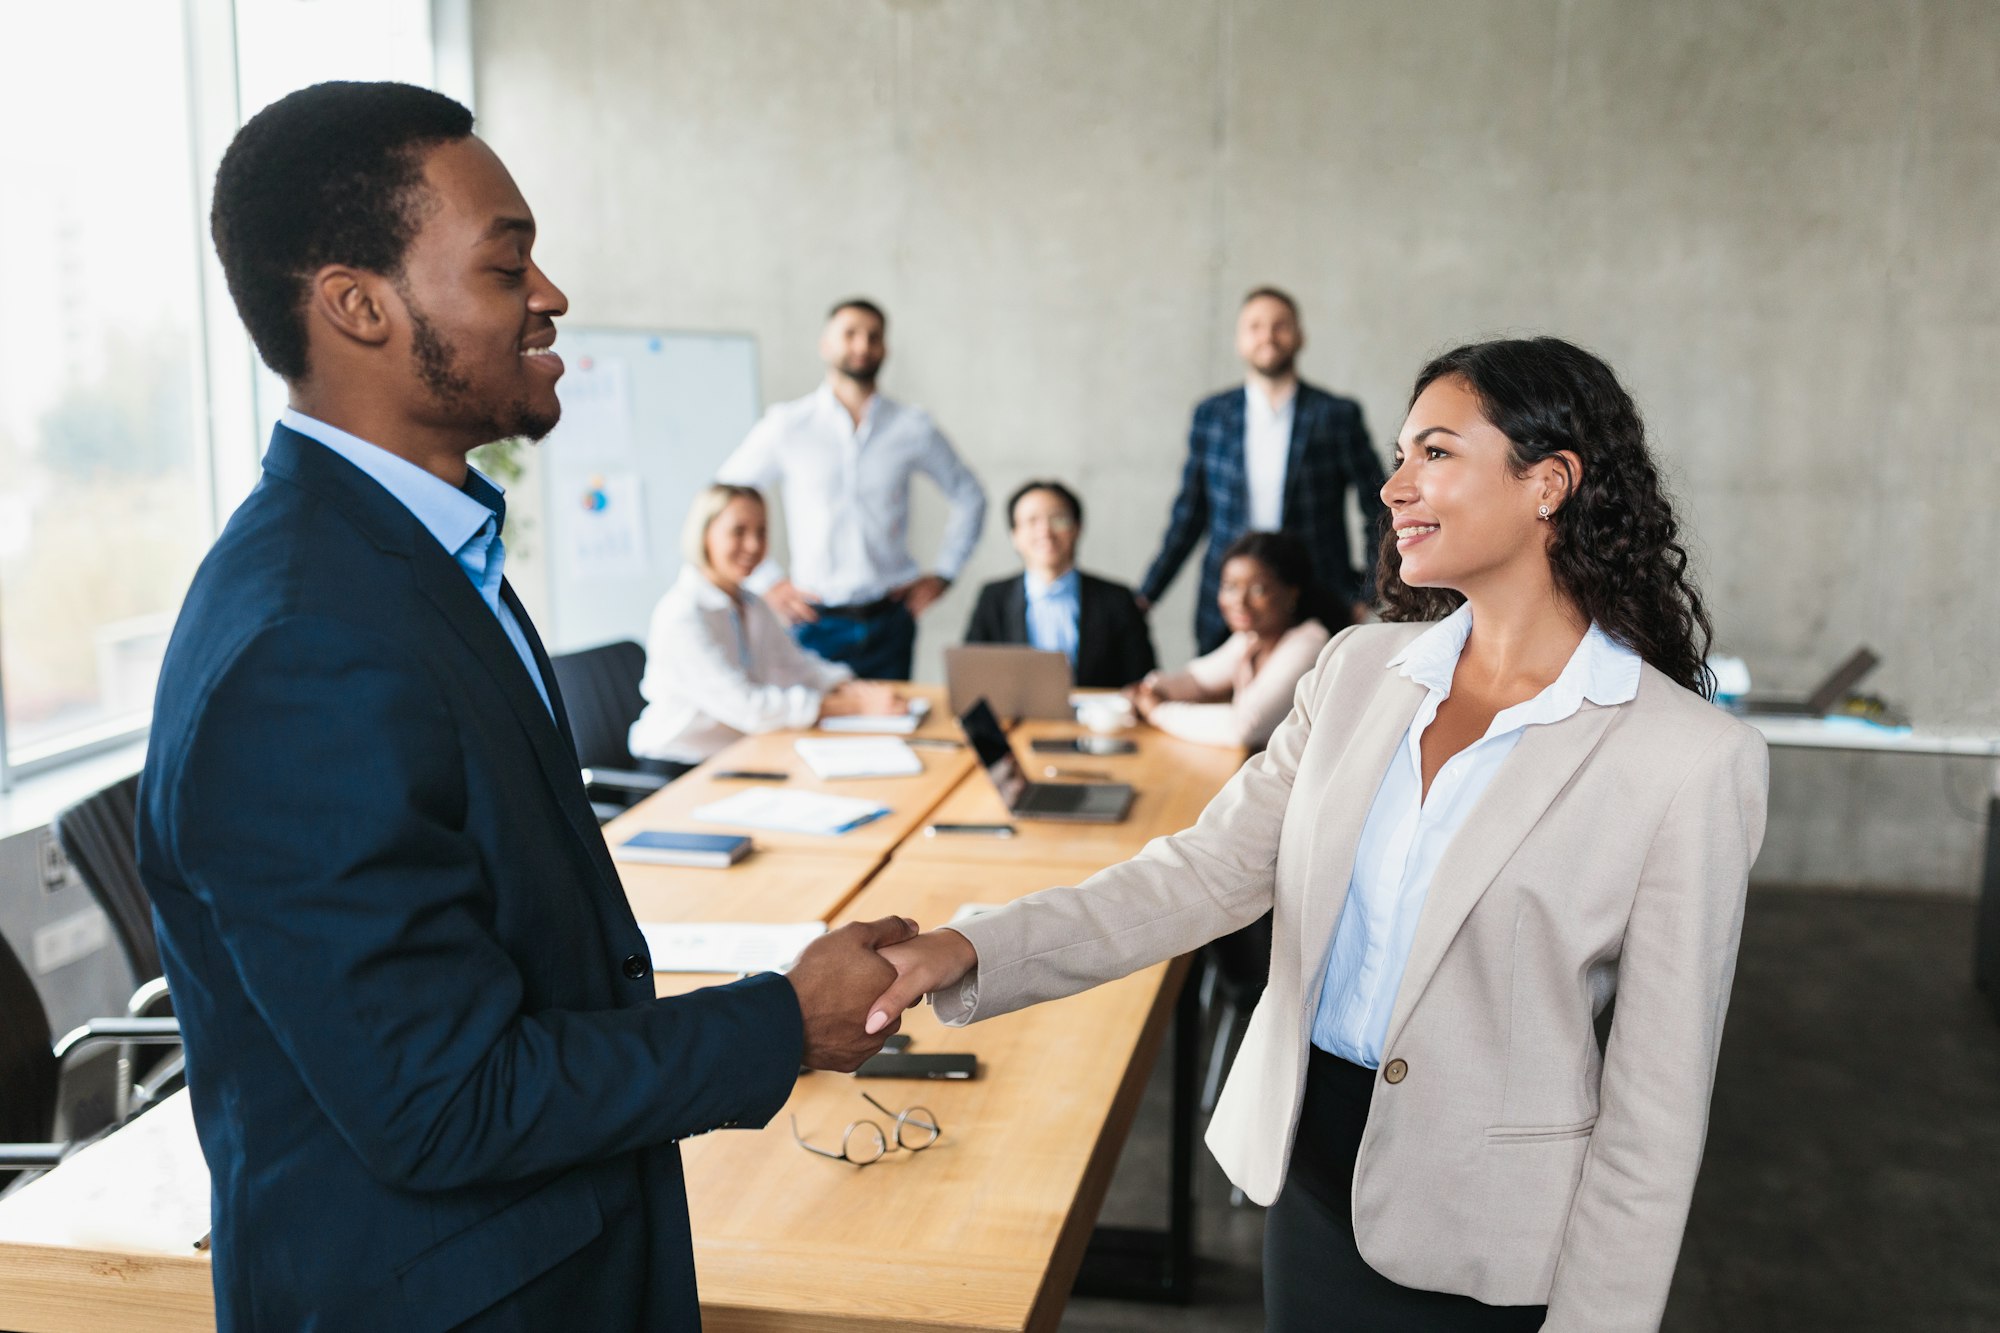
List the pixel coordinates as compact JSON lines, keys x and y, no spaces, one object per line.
{"x":130,"y":419}
{"x":104,"y":506}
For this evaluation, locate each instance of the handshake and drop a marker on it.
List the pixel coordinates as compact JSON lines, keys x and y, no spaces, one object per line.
{"x":854,"y":983}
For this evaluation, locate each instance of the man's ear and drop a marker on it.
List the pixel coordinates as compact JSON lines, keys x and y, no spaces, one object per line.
{"x":354,"y":303}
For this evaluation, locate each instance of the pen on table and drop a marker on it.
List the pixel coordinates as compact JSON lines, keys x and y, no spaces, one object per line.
{"x":749,"y":775}
{"x":934,"y":742}
{"x":202,"y":1244}
{"x":1088,"y":774}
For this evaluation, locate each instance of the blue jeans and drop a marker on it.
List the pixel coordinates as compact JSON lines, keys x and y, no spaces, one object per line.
{"x":877,"y":647}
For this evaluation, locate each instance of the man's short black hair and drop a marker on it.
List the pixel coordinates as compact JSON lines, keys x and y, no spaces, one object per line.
{"x":861,"y":303}
{"x":331,"y":174}
{"x":1276,"y":294}
{"x":1056,"y":488}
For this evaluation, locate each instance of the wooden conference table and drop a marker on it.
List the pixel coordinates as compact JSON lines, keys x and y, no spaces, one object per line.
{"x":987,"y":1229}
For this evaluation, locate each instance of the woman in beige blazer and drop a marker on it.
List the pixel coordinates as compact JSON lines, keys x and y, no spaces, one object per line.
{"x":1479,"y":828}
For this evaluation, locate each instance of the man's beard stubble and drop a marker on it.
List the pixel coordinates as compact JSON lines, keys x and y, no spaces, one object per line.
{"x":437,"y":363}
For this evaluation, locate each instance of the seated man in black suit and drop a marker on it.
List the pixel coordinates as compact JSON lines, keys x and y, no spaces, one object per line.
{"x":1056,"y":606}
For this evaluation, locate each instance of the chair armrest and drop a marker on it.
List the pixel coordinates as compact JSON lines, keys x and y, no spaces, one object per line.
{"x":148,"y":998}
{"x":134,"y":1031}
{"x":31,"y":1156}
{"x":623,"y":779}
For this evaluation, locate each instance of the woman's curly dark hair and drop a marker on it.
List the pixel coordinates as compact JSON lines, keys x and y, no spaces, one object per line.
{"x":1616,"y":549}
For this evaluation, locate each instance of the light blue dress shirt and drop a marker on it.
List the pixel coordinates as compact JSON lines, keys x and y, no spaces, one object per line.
{"x":1407,"y":833}
{"x":465,"y":522}
{"x":1054,"y":609}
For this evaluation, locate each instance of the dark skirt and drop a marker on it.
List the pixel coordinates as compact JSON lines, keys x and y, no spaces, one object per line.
{"x":1314,"y":1276}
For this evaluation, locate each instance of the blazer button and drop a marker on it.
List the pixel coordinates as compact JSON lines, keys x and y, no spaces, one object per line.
{"x":1394,"y":1071}
{"x":636,"y":967}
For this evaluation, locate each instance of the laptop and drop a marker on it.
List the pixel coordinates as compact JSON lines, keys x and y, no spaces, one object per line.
{"x":1016,"y":681}
{"x":1825,"y":698}
{"x":1074,"y":802}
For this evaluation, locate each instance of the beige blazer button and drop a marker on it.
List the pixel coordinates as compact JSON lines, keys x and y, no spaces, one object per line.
{"x":1394,"y":1071}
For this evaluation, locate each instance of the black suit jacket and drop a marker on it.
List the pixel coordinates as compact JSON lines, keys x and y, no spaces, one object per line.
{"x":1113,"y":645}
{"x":429,"y":1073}
{"x":1330,"y":453}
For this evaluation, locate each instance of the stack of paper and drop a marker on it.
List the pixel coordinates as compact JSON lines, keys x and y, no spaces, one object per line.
{"x":859,"y":757}
{"x":738,"y":947}
{"x":893,"y":724}
{"x":784,"y":810}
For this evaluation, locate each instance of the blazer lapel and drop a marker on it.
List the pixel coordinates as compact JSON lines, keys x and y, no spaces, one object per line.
{"x":1304,"y":417}
{"x":1017,"y":609}
{"x":1345,"y":800}
{"x":1528,"y":782}
{"x":1086,"y":606}
{"x":452,"y":593}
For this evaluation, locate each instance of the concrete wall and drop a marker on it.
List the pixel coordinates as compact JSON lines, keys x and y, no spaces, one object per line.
{"x":1775,"y":218}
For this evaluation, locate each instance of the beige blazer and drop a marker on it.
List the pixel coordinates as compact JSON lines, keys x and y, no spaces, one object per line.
{"x":1511,"y":1159}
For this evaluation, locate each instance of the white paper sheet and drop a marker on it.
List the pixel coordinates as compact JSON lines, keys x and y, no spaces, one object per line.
{"x":727,"y":946}
{"x":143,"y":1188}
{"x":783,"y":810}
{"x":858,"y":757}
{"x":893,"y":724}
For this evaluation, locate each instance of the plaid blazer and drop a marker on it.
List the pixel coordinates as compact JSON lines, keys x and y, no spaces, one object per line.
{"x":1330,"y":453}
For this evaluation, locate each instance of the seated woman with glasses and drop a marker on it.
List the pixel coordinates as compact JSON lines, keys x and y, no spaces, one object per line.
{"x":1055,"y":606}
{"x":719,"y":663}
{"x":1238,"y":694}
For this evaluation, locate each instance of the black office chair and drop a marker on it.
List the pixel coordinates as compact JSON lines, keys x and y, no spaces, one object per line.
{"x":31,"y":1068}
{"x":99,"y":835}
{"x":600,"y":691}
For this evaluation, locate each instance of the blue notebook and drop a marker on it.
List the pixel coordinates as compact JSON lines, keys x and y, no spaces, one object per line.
{"x":663,"y":847}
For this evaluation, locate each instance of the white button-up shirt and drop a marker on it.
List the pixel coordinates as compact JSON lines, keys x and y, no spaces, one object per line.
{"x":1407,"y":833}
{"x":1267,"y":450}
{"x":847,"y":493}
{"x":715,"y":672}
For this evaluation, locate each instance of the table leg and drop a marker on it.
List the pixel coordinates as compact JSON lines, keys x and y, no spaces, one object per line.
{"x":1986,"y":935}
{"x":1146,"y":1263}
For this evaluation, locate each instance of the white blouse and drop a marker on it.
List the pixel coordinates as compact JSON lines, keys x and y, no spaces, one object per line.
{"x":714,"y":673}
{"x":1218,"y":700}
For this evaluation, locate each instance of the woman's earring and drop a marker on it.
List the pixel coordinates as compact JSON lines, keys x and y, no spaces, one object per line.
{"x":1544,"y":512}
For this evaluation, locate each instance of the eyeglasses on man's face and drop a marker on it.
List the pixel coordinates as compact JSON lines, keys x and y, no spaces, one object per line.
{"x":866,"y":1142}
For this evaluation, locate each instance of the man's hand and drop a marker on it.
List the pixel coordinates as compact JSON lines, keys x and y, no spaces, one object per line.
{"x":930,"y":962}
{"x":836,"y":979}
{"x":792,"y":603}
{"x":918,"y":595}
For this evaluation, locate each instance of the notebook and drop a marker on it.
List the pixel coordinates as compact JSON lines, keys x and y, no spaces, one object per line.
{"x":784,"y":810}
{"x":727,"y":946}
{"x":662,"y":847}
{"x":858,"y":757}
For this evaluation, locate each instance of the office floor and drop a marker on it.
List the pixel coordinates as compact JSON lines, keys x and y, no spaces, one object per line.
{"x":1852,"y":1179}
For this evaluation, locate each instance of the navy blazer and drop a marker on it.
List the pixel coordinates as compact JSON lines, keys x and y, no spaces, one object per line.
{"x":1113,"y":646}
{"x":429,"y":1073}
{"x":1330,"y":453}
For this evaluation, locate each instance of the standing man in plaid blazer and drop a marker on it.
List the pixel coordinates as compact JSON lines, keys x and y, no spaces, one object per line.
{"x":1276,"y":454}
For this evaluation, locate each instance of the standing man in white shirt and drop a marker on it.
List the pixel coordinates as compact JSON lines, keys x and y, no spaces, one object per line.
{"x":843,"y":456}
{"x":1276,"y":455}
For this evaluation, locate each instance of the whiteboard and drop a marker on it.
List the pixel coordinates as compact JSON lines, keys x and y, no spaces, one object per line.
{"x":647,"y":419}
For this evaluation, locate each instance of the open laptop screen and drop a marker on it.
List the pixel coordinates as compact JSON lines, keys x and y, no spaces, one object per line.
{"x":982,"y":729}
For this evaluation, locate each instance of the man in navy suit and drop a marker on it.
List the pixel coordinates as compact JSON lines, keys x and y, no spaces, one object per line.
{"x":1276,"y":454}
{"x":429,"y":1072}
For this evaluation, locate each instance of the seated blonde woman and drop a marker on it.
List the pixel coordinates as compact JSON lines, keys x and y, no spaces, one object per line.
{"x":1238,"y":694}
{"x":719,"y":662}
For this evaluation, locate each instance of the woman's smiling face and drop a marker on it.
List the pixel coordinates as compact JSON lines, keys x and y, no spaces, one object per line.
{"x":1459,"y":511}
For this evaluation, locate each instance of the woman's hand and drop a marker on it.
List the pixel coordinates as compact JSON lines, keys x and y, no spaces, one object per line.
{"x":930,"y":962}
{"x":1144,"y":697}
{"x":863,"y":696}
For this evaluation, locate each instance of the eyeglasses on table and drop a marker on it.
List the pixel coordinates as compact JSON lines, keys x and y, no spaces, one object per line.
{"x":866,"y":1143}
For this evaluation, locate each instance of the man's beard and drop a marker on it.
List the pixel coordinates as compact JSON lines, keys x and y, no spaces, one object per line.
{"x":861,"y":372}
{"x":1278,"y":369}
{"x":437,"y":369}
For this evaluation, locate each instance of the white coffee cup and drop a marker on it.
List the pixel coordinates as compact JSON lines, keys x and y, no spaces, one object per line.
{"x":1106,"y":714}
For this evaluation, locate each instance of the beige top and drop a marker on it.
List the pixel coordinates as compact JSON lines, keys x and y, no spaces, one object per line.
{"x":1217,"y":699}
{"x":1507,"y":1157}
